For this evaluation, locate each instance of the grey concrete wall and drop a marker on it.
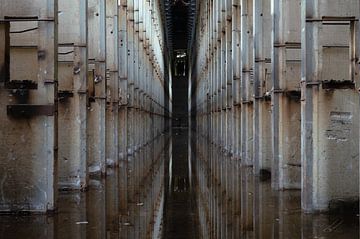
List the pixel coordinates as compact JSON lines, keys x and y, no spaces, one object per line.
{"x":330,"y":116}
{"x":102,"y":73}
{"x":28,"y":126}
{"x":295,"y":107}
{"x":142,"y":111}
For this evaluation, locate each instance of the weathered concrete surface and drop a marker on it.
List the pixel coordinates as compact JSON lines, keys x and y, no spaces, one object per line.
{"x":330,"y":125}
{"x":262,"y":86}
{"x":72,"y":31}
{"x":27,"y":137}
{"x":300,"y":146}
{"x":247,"y":93}
{"x":112,"y":83}
{"x":286,"y":65}
{"x":96,"y":14}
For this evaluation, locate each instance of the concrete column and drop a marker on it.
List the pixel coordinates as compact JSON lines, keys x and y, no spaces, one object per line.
{"x":236,"y":68}
{"x":247,"y":82}
{"x":72,"y":76}
{"x":330,"y":125}
{"x":123,"y":70}
{"x":112,"y":83}
{"x":136,"y":82}
{"x":357,"y":52}
{"x":142,"y":99}
{"x":28,"y":122}
{"x":203,"y":77}
{"x":130,"y":187}
{"x":96,"y":131}
{"x":96,"y":86}
{"x":236,"y":56}
{"x":131,"y":75}
{"x":286,"y":115}
{"x":229,"y":77}
{"x":136,"y":124}
{"x":123,"y":74}
{"x":217,"y":74}
{"x":262,"y":85}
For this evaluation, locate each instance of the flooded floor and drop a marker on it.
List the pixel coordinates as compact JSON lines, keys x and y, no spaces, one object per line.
{"x":180,"y":218}
{"x":180,"y":187}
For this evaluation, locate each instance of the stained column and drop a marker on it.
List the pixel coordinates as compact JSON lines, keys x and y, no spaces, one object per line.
{"x":96,"y":86}
{"x":286,"y":114}
{"x":28,"y":122}
{"x":330,"y":126}
{"x":72,"y":77}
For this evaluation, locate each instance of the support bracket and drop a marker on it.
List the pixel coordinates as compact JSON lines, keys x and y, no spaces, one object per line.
{"x":26,"y":110}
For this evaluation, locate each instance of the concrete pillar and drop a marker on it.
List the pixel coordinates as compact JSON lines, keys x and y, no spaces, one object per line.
{"x":141,"y":118}
{"x":131,"y":75}
{"x":123,"y":67}
{"x":72,"y":77}
{"x":135,"y":94}
{"x":136,"y":122}
{"x":28,"y":122}
{"x":236,"y":56}
{"x":223,"y":80}
{"x":286,"y":113}
{"x":262,"y":85}
{"x":129,"y":159}
{"x":112,"y":83}
{"x":96,"y":86}
{"x":217,"y":75}
{"x":247,"y":82}
{"x":214,"y":72}
{"x":357,"y":51}
{"x":229,"y":77}
{"x":330,"y":125}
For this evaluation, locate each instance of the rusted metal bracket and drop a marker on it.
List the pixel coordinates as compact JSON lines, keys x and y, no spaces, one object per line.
{"x":247,"y":102}
{"x":312,"y":83}
{"x":333,"y":84}
{"x":64,"y":94}
{"x":294,"y":95}
{"x":278,"y":91}
{"x":21,"y":84}
{"x":334,"y":19}
{"x":26,"y":19}
{"x":26,"y":111}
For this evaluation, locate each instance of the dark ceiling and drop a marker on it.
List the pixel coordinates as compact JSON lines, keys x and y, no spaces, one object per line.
{"x":180,"y":29}
{"x":179,"y":22}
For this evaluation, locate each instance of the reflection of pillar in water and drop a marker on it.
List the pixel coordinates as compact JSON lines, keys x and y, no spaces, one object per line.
{"x":247,"y":203}
{"x":95,"y":210}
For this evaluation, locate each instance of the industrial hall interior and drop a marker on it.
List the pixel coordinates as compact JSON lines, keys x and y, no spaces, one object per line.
{"x":209,"y":119}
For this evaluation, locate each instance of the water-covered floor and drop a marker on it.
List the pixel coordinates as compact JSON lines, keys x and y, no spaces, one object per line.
{"x":180,"y":187}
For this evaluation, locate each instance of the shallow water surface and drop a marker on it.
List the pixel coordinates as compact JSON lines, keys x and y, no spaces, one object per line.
{"x":180,"y":187}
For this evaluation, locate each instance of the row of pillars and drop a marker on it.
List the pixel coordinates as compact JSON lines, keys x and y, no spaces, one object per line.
{"x":83,"y":87}
{"x":276,"y":89}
